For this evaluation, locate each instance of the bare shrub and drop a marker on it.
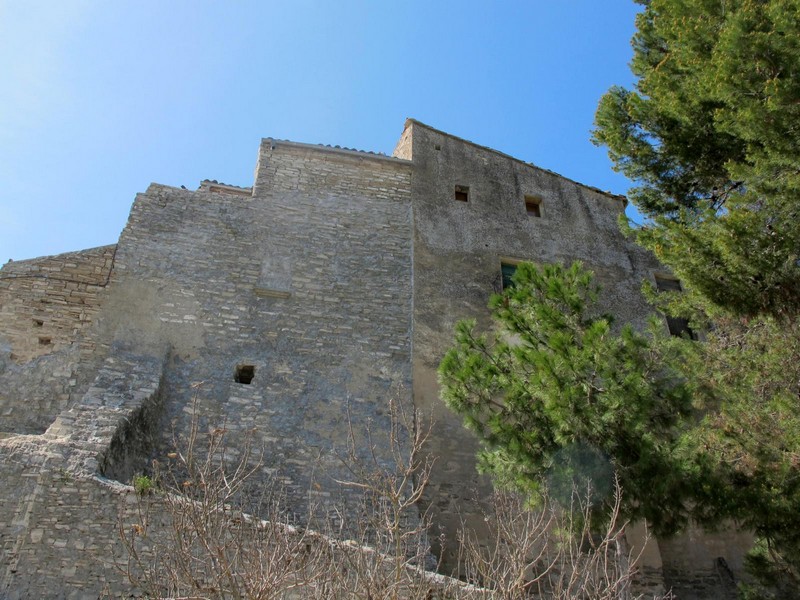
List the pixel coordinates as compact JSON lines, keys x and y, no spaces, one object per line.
{"x":391,"y":480}
{"x":193,"y":535}
{"x":548,"y":552}
{"x":193,"y":532}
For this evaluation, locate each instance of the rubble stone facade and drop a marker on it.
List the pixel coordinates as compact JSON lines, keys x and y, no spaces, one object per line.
{"x":290,"y":312}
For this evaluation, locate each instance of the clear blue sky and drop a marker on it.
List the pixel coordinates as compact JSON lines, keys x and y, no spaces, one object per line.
{"x":99,"y":98}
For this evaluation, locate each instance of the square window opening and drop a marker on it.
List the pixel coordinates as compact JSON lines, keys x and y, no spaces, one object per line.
{"x":507,"y":271}
{"x":676,"y":326}
{"x":533,"y":206}
{"x":244,"y":374}
{"x":668,"y":284}
{"x":462,"y":193}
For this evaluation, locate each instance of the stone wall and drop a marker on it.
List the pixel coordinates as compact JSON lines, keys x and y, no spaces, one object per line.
{"x":285,"y":314}
{"x":32,"y":395}
{"x":47,"y":308}
{"x":288,"y":166}
{"x":700,"y":565}
{"x":307,"y":282}
{"x":47,"y":303}
{"x":459,"y":247}
{"x":60,"y":518}
{"x":458,"y":250}
{"x":59,"y":533}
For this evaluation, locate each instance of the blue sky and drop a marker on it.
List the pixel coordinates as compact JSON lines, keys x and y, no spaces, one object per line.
{"x":98,"y":98}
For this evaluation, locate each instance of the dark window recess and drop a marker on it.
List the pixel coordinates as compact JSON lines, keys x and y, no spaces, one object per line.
{"x":677,"y":326}
{"x":38,"y":322}
{"x":533,"y":206}
{"x":508,"y":270}
{"x":45,"y":341}
{"x":462,"y":193}
{"x":245,"y":374}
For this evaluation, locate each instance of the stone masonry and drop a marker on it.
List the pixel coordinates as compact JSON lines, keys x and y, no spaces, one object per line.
{"x":289,"y":313}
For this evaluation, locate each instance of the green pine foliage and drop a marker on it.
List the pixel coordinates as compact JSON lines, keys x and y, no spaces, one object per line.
{"x":707,"y":431}
{"x":748,"y":382}
{"x":710,"y":136}
{"x":558,"y":396}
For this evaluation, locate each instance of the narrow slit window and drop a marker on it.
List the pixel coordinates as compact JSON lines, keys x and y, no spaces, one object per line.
{"x":244,"y":374}
{"x":533,"y":206}
{"x":462,"y":193}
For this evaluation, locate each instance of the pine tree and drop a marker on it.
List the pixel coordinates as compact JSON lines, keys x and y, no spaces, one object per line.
{"x":705,"y":430}
{"x":558,"y":396}
{"x":710,"y":136}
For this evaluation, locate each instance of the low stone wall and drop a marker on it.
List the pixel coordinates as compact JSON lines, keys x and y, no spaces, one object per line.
{"x":62,"y":540}
{"x":59,"y":525}
{"x":698,"y":565}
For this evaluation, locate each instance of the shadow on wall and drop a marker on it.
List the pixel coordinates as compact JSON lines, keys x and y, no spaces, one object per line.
{"x":134,"y":438}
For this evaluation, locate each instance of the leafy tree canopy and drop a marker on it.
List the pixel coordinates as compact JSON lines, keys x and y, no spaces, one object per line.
{"x":710,"y":136}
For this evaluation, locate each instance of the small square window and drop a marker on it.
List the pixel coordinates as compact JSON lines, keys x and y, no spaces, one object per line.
{"x":533,"y":206}
{"x":462,"y":193}
{"x":244,"y":374}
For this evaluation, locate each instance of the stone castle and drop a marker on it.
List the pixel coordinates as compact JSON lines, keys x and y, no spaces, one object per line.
{"x":328,"y":287}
